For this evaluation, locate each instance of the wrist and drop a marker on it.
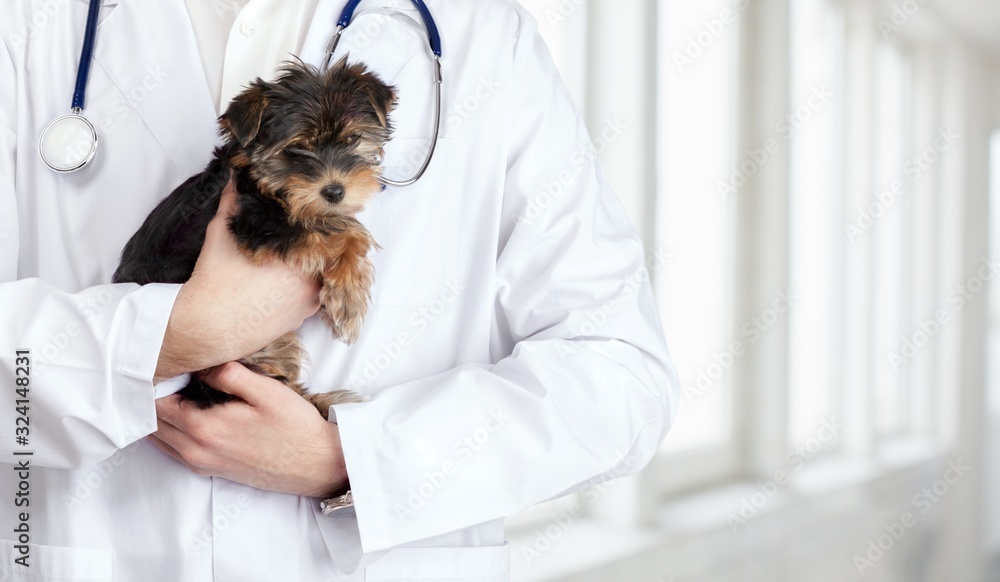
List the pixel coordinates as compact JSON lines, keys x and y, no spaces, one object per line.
{"x":189,"y":342}
{"x":333,"y":481}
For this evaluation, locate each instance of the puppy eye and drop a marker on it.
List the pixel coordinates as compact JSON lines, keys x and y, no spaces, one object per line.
{"x":293,"y":153}
{"x":353,"y":138}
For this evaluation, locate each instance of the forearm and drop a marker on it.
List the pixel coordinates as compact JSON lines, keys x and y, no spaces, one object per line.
{"x":189,"y":344}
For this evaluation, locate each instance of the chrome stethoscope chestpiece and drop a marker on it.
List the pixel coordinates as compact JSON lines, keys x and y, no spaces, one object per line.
{"x":68,"y":143}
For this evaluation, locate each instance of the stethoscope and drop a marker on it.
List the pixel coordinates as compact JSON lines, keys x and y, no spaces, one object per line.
{"x":69,"y":142}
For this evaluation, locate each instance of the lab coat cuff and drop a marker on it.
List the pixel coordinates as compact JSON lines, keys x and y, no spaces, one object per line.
{"x":356,"y":430}
{"x":133,"y":383}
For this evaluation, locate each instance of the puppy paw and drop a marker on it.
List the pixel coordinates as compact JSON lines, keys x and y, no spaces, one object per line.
{"x":345,"y":300}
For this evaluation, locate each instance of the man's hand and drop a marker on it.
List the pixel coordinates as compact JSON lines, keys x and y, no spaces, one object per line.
{"x":273,"y":440}
{"x":232,"y":306}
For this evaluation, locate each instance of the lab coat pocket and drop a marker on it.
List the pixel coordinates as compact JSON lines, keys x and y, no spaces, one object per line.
{"x":54,"y":563}
{"x":472,"y":564}
{"x":417,"y":227}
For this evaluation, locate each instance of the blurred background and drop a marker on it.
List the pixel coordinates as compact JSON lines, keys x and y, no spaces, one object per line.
{"x":818,"y":186}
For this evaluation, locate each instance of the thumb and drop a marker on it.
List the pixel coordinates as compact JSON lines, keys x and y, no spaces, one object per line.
{"x":218,"y":228}
{"x":242,"y":382}
{"x":227,"y":202}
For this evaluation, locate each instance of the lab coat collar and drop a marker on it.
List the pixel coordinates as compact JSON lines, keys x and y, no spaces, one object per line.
{"x":387,"y":45}
{"x":168,"y":89}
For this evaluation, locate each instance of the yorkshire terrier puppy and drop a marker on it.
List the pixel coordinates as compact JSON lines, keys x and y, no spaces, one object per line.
{"x":305,"y":153}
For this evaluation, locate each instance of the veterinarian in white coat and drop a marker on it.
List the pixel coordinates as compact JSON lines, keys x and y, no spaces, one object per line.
{"x":512,"y":352}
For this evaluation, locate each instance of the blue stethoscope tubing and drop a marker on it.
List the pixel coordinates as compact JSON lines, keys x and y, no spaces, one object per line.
{"x":80,"y":149}
{"x":433,"y":37}
{"x":86,"y":55}
{"x":434,"y":40}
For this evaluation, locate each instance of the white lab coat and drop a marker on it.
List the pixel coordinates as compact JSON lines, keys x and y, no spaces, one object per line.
{"x":513,"y":351}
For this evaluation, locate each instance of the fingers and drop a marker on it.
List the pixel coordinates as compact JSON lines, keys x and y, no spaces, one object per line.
{"x":236,"y":379}
{"x":177,"y":439}
{"x":227,"y":203}
{"x":187,"y":418}
{"x":227,"y":208}
{"x":169,"y":409}
{"x":172,"y":441}
{"x":191,"y":438}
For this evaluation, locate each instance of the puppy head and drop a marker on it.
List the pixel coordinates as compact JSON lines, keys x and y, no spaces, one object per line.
{"x":313,"y":140}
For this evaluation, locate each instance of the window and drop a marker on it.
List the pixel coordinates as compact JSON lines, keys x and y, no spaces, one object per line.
{"x":854,"y":218}
{"x":815,"y":132}
{"x":993,"y":355}
{"x":863,"y":233}
{"x":891,"y":255}
{"x":694,"y":220}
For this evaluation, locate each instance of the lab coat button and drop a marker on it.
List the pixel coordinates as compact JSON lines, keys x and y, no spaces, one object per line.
{"x":248,"y":29}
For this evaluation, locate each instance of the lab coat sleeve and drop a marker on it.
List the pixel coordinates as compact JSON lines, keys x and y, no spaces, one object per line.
{"x":92,"y":353}
{"x":581,"y":389}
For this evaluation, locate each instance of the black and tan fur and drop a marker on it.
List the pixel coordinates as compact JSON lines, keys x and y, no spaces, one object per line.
{"x":305,"y":153}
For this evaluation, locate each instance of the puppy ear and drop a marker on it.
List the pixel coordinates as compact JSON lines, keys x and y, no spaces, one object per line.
{"x":383,"y":99}
{"x":243,"y":117}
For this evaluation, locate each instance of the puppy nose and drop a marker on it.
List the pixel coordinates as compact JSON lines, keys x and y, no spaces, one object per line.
{"x":333,"y":193}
